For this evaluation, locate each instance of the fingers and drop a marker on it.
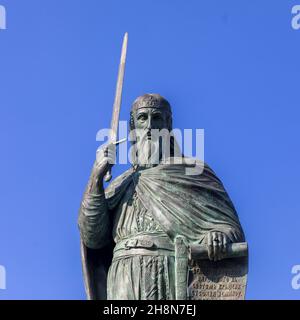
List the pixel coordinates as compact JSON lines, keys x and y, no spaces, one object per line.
{"x":216,"y":245}
{"x":106,"y":154}
{"x":210,"y":249}
{"x":225,"y":243}
{"x":111,"y":154}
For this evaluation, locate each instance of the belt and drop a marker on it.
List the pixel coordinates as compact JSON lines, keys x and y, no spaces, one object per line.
{"x":144,"y":245}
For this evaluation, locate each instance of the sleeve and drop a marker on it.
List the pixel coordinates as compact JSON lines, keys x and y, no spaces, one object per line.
{"x":94,"y":221}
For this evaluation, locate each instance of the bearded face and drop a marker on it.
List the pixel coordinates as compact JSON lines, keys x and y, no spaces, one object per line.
{"x":151,"y":133}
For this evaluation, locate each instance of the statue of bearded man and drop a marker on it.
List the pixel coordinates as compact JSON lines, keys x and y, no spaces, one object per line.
{"x":128,"y":230}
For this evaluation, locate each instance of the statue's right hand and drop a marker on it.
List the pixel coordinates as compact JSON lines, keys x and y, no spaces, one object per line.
{"x":105,"y":159}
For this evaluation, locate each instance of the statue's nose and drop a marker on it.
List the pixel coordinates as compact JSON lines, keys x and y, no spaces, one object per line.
{"x":149,"y":123}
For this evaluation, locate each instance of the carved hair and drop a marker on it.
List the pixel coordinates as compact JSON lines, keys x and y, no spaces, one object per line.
{"x":151,"y":100}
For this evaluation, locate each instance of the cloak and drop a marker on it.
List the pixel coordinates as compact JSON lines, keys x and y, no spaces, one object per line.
{"x":183,"y":204}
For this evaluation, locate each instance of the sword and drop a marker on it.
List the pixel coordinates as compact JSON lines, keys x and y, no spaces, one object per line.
{"x":117,"y":102}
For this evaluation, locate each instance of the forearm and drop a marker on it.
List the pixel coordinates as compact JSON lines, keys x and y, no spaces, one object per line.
{"x":94,"y":219}
{"x":95,"y":184}
{"x":232,"y":234}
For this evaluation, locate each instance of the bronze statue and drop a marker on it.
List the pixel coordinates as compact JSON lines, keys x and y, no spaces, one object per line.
{"x":137,"y":234}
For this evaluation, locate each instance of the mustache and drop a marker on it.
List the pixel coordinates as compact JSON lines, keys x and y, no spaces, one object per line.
{"x":145,"y":136}
{"x":147,"y":142}
{"x":150,"y":134}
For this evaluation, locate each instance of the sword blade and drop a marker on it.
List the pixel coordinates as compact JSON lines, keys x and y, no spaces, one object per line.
{"x":117,"y":103}
{"x":118,"y":94}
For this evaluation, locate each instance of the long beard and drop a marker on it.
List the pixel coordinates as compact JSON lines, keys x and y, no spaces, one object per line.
{"x":148,"y":152}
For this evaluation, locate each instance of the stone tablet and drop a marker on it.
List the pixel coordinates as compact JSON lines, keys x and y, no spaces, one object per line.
{"x":221,"y":280}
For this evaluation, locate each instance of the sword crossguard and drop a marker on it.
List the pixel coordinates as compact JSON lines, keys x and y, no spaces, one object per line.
{"x":108,"y":176}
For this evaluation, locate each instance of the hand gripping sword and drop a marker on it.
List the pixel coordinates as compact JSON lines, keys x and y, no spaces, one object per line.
{"x":117,"y":102}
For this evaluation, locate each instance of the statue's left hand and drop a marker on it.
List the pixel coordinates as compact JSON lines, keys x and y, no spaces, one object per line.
{"x":217,"y":245}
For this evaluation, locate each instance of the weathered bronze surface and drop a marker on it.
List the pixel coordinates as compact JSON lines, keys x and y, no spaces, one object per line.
{"x":146,"y":235}
{"x":221,"y":280}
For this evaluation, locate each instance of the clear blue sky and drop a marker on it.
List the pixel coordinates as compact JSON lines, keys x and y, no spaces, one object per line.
{"x":230,"y":67}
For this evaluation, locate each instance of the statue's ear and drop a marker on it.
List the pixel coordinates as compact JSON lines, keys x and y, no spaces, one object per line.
{"x":169,"y":122}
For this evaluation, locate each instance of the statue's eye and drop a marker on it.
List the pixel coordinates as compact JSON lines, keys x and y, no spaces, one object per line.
{"x":157,"y":117}
{"x":142,"y":117}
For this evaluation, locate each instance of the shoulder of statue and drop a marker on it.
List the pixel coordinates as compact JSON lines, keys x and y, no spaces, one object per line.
{"x":185,"y":161}
{"x":197,"y":168}
{"x":118,"y":183}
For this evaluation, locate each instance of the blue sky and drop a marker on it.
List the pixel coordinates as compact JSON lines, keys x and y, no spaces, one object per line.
{"x":230,"y":67}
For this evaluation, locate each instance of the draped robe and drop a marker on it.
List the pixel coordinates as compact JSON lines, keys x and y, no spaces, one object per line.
{"x":163,"y":200}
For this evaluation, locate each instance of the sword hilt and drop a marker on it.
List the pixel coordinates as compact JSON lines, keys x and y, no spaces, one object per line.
{"x":108,"y":175}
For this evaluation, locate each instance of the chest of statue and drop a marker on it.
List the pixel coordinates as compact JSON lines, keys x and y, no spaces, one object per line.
{"x":131,"y":217}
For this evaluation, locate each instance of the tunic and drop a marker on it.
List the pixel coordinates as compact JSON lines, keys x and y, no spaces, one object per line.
{"x":143,"y":277}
